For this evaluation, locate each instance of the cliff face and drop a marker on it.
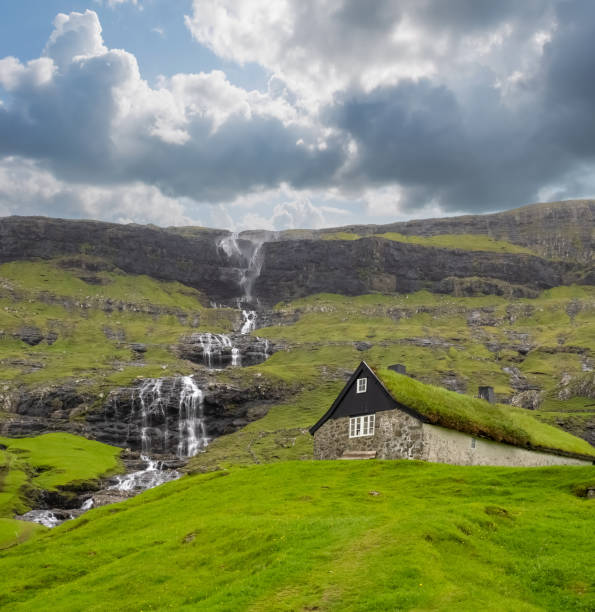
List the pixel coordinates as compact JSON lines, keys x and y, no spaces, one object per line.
{"x":561,"y":230}
{"x":290,"y":267}
{"x":301,"y":268}
{"x":190,"y":259}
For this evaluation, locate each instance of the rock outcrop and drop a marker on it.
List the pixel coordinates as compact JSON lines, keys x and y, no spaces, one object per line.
{"x":118,"y":419}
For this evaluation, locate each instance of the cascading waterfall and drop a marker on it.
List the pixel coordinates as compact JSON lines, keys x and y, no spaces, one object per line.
{"x":249,"y":321}
{"x":214,"y":347}
{"x":152,"y":404}
{"x":153,"y":401}
{"x":193,"y":434}
{"x":151,"y":476}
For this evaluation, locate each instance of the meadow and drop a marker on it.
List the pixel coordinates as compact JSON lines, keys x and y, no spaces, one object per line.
{"x":376,"y":535}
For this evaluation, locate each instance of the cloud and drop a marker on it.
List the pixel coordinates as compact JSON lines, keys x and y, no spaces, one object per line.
{"x":26,"y":189}
{"x":373,"y":112}
{"x":95,"y":120}
{"x":320,"y":47}
{"x":116,"y":3}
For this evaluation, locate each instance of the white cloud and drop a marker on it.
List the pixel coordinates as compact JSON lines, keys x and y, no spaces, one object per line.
{"x":35,"y":73}
{"x":75,"y":36}
{"x":320,"y":47}
{"x":373,"y":112}
{"x":116,"y":3}
{"x":26,"y":189}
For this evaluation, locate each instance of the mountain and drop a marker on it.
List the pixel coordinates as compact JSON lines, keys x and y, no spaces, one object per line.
{"x":91,"y":313}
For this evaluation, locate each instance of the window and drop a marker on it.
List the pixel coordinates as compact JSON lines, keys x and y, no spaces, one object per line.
{"x":473,"y":442}
{"x":362,"y":425}
{"x":362,"y":385}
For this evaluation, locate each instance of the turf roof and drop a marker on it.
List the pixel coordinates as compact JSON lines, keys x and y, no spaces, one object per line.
{"x":499,"y":422}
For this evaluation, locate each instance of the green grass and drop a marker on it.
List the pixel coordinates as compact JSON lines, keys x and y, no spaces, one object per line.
{"x":496,"y":421}
{"x":465,"y":242}
{"x":63,"y":458}
{"x":361,"y":536}
{"x":47,"y":462}
{"x":340,"y":236}
{"x":52,"y":296}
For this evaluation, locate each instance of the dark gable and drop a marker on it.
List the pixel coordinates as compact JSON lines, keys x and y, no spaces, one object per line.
{"x":350,"y":403}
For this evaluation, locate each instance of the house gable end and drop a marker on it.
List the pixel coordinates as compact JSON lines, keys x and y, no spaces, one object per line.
{"x":377,"y":398}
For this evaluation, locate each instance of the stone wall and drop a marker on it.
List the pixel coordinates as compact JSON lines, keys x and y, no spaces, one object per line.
{"x":447,"y":446}
{"x":397,"y":436}
{"x":400,"y":436}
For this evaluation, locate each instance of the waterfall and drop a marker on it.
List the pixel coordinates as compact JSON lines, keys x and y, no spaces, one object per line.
{"x":215,"y":347}
{"x":151,"y":476}
{"x":193,"y":435}
{"x":246,"y":255}
{"x":252,"y":271}
{"x":230,"y":245}
{"x":249,"y":321}
{"x":152,"y":404}
{"x":236,"y":357}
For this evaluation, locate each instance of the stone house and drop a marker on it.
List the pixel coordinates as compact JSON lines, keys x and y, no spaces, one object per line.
{"x":366,"y":421}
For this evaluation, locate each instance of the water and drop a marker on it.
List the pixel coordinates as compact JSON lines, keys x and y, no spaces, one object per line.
{"x":193,"y":433}
{"x":236,"y":357}
{"x":152,"y":400}
{"x":152,"y":476}
{"x":153,"y":407}
{"x":47,"y":518}
{"x":230,"y":245}
{"x":249,"y":324}
{"x":246,"y":255}
{"x":215,"y":347}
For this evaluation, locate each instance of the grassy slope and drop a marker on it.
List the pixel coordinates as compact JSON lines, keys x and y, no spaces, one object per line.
{"x":46,"y":295}
{"x":465,"y":242}
{"x":321,"y":343}
{"x":325,"y":536}
{"x":47,"y":462}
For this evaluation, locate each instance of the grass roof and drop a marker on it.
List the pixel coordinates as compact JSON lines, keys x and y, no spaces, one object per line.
{"x":499,"y":422}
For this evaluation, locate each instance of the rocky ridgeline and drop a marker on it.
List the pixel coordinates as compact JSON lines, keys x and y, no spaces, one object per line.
{"x":278,"y":267}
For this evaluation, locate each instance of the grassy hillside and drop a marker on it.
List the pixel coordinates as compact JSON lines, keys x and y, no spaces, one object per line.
{"x":48,"y":462}
{"x":91,"y":314}
{"x":323,"y":536}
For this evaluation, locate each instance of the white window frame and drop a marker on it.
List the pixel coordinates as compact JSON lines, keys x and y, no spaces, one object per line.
{"x":473,"y":443}
{"x":362,"y":385}
{"x":361,"y":426}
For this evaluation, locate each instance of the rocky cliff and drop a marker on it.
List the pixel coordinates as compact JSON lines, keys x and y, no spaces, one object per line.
{"x":296,"y":264}
{"x":303,"y":267}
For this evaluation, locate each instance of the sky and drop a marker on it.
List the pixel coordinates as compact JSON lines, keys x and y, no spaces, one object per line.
{"x":293,"y":113}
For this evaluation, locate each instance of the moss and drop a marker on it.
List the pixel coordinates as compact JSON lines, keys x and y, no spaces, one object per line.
{"x":465,"y":242}
{"x":340,"y":236}
{"x":474,"y":416}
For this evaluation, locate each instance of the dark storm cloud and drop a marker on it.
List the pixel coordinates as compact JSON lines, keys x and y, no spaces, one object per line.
{"x":569,"y":81}
{"x":480,"y":152}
